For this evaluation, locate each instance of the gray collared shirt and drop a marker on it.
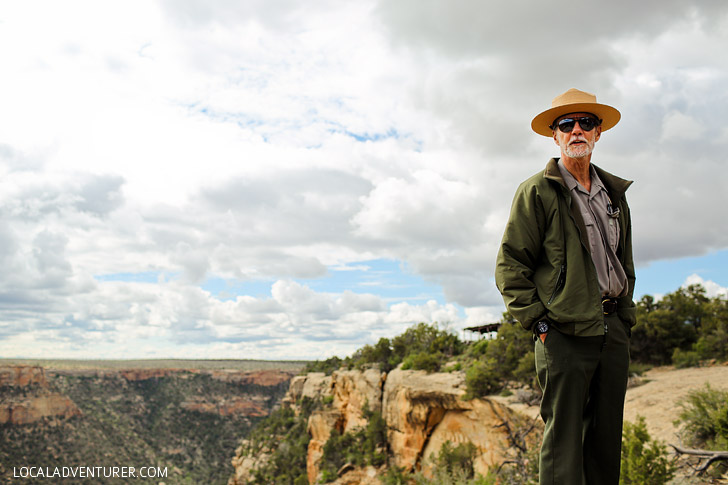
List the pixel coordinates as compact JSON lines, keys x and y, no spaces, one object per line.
{"x":602,"y":230}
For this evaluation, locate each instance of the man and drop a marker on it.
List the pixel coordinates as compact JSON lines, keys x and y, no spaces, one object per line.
{"x":566,"y":273}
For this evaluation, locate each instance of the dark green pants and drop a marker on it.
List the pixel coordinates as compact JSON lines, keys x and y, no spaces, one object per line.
{"x":584,"y":380}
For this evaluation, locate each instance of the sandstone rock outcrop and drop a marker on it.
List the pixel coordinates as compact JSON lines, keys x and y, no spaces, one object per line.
{"x":144,"y":374}
{"x":32,"y":400}
{"x":244,"y":465}
{"x":22,"y":376}
{"x":352,"y":391}
{"x":265,"y":378}
{"x":314,"y":385}
{"x":32,"y":409}
{"x":421,"y":411}
{"x":321,"y":424}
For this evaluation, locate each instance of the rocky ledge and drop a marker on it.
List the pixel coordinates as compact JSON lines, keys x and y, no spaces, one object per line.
{"x":422,"y":411}
{"x":27,"y":397}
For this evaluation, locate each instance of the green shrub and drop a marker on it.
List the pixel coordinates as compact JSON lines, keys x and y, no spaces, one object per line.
{"x":340,"y":449}
{"x":423,"y":346}
{"x":424,"y":338}
{"x":458,"y":477}
{"x":395,"y":476}
{"x":685,"y":358}
{"x":379,"y":354}
{"x":423,"y":361}
{"x":521,"y":471}
{"x":508,"y":357}
{"x":457,"y":366}
{"x":644,"y":461}
{"x":482,"y":379}
{"x":704,"y":417}
{"x":477,"y":349}
{"x":454,"y":465}
{"x":525,"y":371}
{"x":365,"y":446}
{"x":714,"y":345}
{"x":286,"y":435}
{"x":327,"y":366}
{"x":638,"y":368}
{"x":460,"y":457}
{"x":686,"y":320}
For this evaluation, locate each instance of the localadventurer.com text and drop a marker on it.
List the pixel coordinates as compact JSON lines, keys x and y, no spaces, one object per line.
{"x":89,"y":472}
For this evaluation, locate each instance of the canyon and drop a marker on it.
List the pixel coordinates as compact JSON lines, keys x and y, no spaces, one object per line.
{"x":189,"y":419}
{"x":196,"y":421}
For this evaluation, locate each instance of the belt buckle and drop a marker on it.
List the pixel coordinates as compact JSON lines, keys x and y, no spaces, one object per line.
{"x":609,"y":306}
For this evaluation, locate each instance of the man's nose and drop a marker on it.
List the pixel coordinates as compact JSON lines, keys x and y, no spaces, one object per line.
{"x":577,"y":129}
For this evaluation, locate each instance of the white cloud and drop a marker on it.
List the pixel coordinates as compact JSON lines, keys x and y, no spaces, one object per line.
{"x":712,"y":289}
{"x":270,"y":141}
{"x":138,"y":319}
{"x":680,"y":126}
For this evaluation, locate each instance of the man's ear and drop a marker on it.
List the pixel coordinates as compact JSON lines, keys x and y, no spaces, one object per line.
{"x":599,"y":133}
{"x":556,"y":140}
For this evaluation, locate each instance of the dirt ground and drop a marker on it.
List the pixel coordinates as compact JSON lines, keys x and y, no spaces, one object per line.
{"x":657,"y":399}
{"x":656,"y":396}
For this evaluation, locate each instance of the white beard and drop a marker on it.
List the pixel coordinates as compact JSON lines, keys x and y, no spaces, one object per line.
{"x":578,"y":151}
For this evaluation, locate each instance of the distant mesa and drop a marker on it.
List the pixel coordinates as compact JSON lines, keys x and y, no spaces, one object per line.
{"x":27,"y":397}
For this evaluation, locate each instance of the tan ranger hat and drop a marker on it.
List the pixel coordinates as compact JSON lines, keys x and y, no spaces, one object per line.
{"x":574,"y":101}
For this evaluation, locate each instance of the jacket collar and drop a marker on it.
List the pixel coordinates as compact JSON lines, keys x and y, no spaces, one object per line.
{"x":615,"y":185}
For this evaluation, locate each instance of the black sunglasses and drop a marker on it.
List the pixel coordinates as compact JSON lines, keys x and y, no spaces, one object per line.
{"x":587,"y":123}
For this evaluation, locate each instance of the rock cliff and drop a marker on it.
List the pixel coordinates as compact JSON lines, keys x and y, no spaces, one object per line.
{"x":264,"y":378}
{"x":254,"y":406}
{"x":421,"y":411}
{"x":185,"y":418}
{"x":27,"y":397}
{"x":22,"y":376}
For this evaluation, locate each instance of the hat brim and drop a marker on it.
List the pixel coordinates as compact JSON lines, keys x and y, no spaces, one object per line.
{"x":541,"y":124}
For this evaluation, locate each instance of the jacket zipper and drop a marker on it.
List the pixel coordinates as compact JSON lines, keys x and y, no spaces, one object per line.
{"x":559,"y":283}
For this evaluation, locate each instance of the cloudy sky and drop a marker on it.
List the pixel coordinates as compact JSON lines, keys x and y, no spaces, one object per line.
{"x":277,"y":179}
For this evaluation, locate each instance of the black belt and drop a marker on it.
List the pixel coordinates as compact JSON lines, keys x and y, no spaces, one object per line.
{"x":609,"y":305}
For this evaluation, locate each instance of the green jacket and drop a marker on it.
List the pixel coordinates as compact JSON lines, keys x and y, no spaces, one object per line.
{"x":544,"y":267}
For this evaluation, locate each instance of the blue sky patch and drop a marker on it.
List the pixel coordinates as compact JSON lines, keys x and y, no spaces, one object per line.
{"x":667,"y":276}
{"x":386,"y":278}
{"x":143,"y":277}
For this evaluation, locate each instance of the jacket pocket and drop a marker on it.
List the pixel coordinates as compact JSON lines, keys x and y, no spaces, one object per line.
{"x":627,"y":327}
{"x":592,"y":230}
{"x":613,"y":233}
{"x":560,"y":280}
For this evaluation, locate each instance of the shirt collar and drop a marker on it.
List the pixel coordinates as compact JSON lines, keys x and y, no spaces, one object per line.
{"x":572,"y":184}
